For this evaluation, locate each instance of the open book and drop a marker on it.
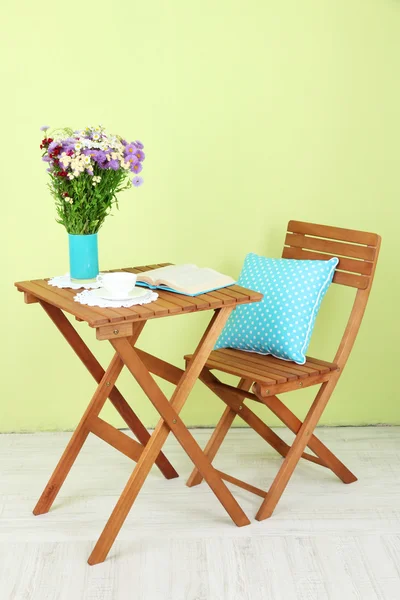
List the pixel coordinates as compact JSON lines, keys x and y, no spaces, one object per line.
{"x":184,"y":279}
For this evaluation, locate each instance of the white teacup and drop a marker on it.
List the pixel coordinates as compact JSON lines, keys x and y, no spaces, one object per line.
{"x":119,"y":284}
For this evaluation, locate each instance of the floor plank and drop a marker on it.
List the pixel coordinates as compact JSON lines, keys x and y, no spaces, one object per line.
{"x":326,"y":540}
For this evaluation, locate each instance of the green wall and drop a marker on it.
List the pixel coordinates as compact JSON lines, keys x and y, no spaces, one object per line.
{"x":252,"y":113}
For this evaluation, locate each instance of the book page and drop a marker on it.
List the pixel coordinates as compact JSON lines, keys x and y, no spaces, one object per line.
{"x":155,"y":275}
{"x":188,"y":279}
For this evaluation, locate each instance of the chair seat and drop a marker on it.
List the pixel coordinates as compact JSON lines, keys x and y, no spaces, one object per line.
{"x":265,"y":369}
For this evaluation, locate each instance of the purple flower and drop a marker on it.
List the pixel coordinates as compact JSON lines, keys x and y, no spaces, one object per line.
{"x":140,"y":154}
{"x":89,"y":172}
{"x":67,"y":145}
{"x":124,"y":142}
{"x":113,"y":164}
{"x":44,"y":128}
{"x":70,"y":141}
{"x":90,"y":152}
{"x":100,"y":157}
{"x":132,"y":160}
{"x":137,"y":167}
{"x":67,"y":148}
{"x":137,"y":181}
{"x":139,"y":144}
{"x":130,"y":149}
{"x":46,"y":158}
{"x":49,"y":170}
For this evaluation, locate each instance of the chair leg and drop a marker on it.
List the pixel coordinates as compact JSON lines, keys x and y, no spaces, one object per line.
{"x":301,"y":441}
{"x":218,"y":435}
{"x":293,"y":423}
{"x":236,"y":404}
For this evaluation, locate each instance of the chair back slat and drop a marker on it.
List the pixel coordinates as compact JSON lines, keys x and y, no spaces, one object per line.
{"x":346,"y":264}
{"x":351,"y":280}
{"x":334,"y":233}
{"x":299,"y":240}
{"x":357,"y":251}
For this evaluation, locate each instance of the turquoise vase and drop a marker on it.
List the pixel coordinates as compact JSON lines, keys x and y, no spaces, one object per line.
{"x":83,"y":256}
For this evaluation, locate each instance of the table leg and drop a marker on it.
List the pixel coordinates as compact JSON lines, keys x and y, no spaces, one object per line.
{"x":170,"y":421}
{"x":78,"y":438}
{"x":82,"y":431}
{"x":97,"y":371}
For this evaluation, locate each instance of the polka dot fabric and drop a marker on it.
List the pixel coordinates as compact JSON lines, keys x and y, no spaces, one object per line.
{"x":282,"y":323}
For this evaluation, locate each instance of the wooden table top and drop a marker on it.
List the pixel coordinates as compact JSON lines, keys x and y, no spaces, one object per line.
{"x":168,"y":303}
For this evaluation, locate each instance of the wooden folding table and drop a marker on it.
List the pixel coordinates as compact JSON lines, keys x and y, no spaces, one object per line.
{"x":122,"y":327}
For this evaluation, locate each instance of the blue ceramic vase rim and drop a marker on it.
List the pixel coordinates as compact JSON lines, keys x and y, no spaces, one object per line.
{"x":82,"y":234}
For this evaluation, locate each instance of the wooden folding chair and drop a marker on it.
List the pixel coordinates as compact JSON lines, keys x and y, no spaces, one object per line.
{"x":268,"y":376}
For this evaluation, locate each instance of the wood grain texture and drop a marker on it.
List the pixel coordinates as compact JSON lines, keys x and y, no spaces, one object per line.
{"x":218,"y":435}
{"x":296,"y":240}
{"x":334,"y":233}
{"x":111,"y":332}
{"x":275,"y":375}
{"x":29,"y":299}
{"x":357,"y":250}
{"x":271,"y":369}
{"x":78,"y":438}
{"x":64,"y":302}
{"x":293,"y":423}
{"x":169,"y":411}
{"x":272,"y":376}
{"x":123,"y":335}
{"x":96,"y":370}
{"x":233,"y":398}
{"x":351,"y":280}
{"x":235,"y":402}
{"x":167,"y":303}
{"x":300,"y":443}
{"x":325,"y":542}
{"x":115,"y":438}
{"x":362,"y":267}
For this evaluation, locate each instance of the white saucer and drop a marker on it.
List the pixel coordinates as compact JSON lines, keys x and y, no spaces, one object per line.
{"x":137,"y":292}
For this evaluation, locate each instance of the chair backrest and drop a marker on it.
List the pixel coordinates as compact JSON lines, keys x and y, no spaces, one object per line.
{"x":357,"y":252}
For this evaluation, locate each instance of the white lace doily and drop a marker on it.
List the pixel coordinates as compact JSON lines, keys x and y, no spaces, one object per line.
{"x":87,"y":297}
{"x":64,"y":281}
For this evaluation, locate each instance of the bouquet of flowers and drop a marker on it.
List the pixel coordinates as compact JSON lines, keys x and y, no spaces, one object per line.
{"x":87,"y":169}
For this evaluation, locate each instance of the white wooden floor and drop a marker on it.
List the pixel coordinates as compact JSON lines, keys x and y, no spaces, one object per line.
{"x":326,"y":540}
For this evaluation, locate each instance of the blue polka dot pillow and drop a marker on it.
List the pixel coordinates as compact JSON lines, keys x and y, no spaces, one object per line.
{"x":282,"y":323}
